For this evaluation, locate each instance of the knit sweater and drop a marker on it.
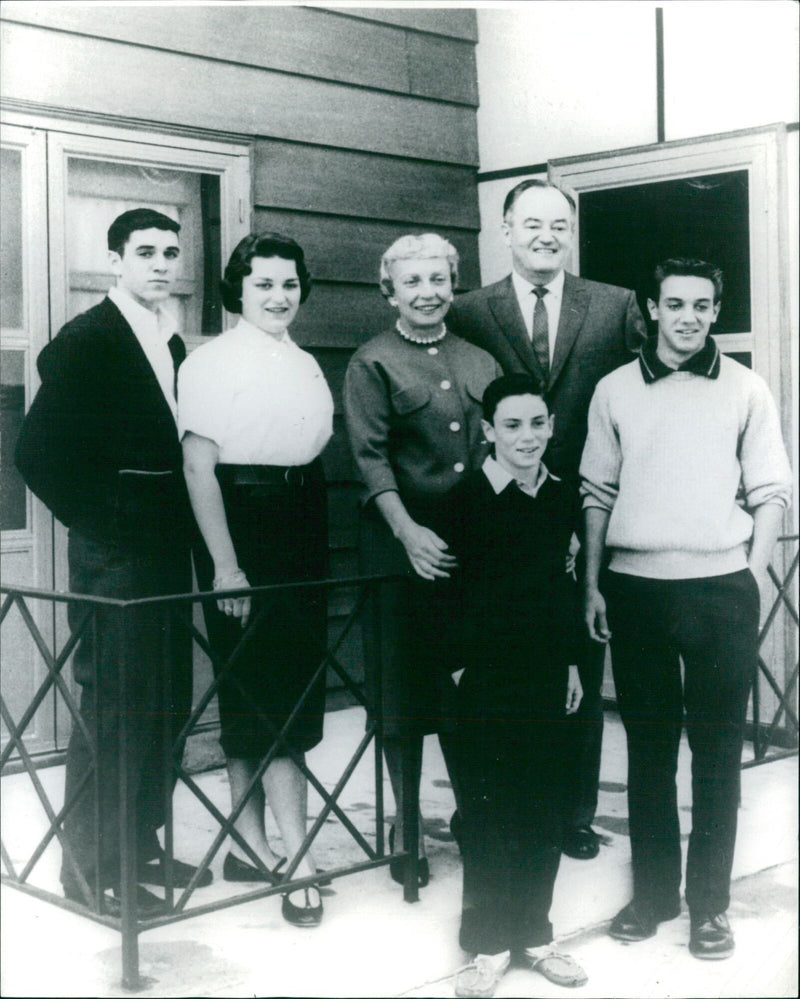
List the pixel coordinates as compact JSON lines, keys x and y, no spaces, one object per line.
{"x":678,"y":463}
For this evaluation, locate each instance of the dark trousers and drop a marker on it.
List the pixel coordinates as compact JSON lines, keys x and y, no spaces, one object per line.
{"x":509,"y":742}
{"x":135,"y":638}
{"x":711,"y":624}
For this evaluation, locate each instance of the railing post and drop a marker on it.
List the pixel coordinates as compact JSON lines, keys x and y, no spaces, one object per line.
{"x":373,"y":615}
{"x":410,"y":825}
{"x":127,"y":814}
{"x":99,"y":787}
{"x":167,"y":736}
{"x":758,"y":749}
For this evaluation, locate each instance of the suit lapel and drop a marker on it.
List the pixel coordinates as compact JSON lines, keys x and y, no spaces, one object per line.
{"x":506,"y":311}
{"x":574,"y":306}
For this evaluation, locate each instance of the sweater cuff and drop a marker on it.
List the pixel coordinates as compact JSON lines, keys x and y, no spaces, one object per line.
{"x":778,"y":495}
{"x":590,"y":501}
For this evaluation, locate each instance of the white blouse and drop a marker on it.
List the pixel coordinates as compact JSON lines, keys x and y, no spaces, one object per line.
{"x":262,"y":401}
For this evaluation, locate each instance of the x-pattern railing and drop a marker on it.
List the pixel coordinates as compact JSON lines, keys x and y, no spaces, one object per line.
{"x":176,"y":611}
{"x":761,"y":742}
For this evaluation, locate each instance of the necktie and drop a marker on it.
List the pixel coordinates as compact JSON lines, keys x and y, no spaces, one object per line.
{"x":540,"y":339}
{"x":177,"y":349}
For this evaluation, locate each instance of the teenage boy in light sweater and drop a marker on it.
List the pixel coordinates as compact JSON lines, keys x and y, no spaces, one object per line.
{"x":685,"y":480}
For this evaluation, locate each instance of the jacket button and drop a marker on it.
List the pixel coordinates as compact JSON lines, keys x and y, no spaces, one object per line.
{"x":459,"y":466}
{"x":455,"y":426}
{"x":445,"y":385}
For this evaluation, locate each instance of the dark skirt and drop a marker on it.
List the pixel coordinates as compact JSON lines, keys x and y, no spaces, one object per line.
{"x":279,"y":531}
{"x":407,"y":629}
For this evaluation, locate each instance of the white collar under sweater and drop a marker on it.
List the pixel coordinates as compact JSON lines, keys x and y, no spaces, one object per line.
{"x":499,"y":478}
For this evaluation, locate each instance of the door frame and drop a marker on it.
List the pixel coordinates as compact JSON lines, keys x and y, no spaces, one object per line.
{"x":36,"y":538}
{"x":58,"y":138}
{"x":762,"y":153}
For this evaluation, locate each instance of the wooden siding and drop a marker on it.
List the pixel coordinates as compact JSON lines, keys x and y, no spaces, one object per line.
{"x":351,"y":182}
{"x":362,"y":124}
{"x":133,"y":81}
{"x":350,"y":249}
{"x":450,"y":22}
{"x":297,"y":40}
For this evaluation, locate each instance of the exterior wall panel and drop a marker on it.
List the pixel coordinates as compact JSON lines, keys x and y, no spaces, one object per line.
{"x":353,"y":182}
{"x":363,"y":124}
{"x":299,"y":40}
{"x":95,"y":75}
{"x":349,"y":250}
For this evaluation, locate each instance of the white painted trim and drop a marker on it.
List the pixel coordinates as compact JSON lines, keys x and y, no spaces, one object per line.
{"x":36,"y":540}
{"x":759,"y":152}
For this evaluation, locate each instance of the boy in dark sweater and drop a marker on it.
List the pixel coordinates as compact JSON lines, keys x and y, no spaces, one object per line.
{"x":511,"y":525}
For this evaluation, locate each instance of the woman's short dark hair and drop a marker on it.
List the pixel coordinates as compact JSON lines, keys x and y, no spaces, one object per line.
{"x":506,"y":386}
{"x":260,"y":244}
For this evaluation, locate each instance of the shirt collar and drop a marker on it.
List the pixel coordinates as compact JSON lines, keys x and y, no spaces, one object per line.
{"x":243,"y":326}
{"x":499,"y":478}
{"x":705,"y":362}
{"x":523,"y":287}
{"x":158,"y":322}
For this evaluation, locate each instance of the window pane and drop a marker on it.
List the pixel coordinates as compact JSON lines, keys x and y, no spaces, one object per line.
{"x":11,"y":239}
{"x":100,"y":190}
{"x":12,"y":410}
{"x":626,"y":231}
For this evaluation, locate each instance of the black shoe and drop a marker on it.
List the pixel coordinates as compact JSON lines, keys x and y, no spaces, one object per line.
{"x":307,"y":915}
{"x":235,"y":869}
{"x":148,"y":905}
{"x":581,"y":843}
{"x":154,"y":873}
{"x":632,"y":924}
{"x":710,"y":937}
{"x":397,"y":868}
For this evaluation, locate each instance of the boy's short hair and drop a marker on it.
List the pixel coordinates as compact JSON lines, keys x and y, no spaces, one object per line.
{"x":686,"y":267}
{"x":119,"y":232}
{"x":508,"y":385}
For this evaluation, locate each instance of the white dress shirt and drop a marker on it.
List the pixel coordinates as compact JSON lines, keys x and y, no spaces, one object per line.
{"x":262,"y":400}
{"x":153,"y":330}
{"x":552,"y":302}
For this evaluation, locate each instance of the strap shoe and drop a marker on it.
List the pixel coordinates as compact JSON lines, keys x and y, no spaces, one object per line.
{"x":307,"y":915}
{"x":235,"y":869}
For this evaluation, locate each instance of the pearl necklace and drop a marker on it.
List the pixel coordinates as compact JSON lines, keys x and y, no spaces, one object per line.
{"x":439,"y":335}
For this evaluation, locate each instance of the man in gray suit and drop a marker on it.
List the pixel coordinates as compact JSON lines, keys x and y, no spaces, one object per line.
{"x":570,"y":333}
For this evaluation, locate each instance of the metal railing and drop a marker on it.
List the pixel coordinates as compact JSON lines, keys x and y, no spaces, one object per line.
{"x":764,"y":733}
{"x":176,"y":612}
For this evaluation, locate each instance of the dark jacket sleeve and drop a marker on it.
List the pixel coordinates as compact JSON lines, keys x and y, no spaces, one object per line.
{"x":635,"y":326}
{"x":61,"y":440}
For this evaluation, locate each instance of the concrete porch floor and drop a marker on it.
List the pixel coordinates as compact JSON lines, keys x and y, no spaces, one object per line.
{"x":373,"y":944}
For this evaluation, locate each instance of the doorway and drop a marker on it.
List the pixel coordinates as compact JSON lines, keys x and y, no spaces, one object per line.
{"x":62,"y":185}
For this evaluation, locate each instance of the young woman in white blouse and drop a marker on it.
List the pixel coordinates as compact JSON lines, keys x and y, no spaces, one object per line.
{"x":254,"y":415}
